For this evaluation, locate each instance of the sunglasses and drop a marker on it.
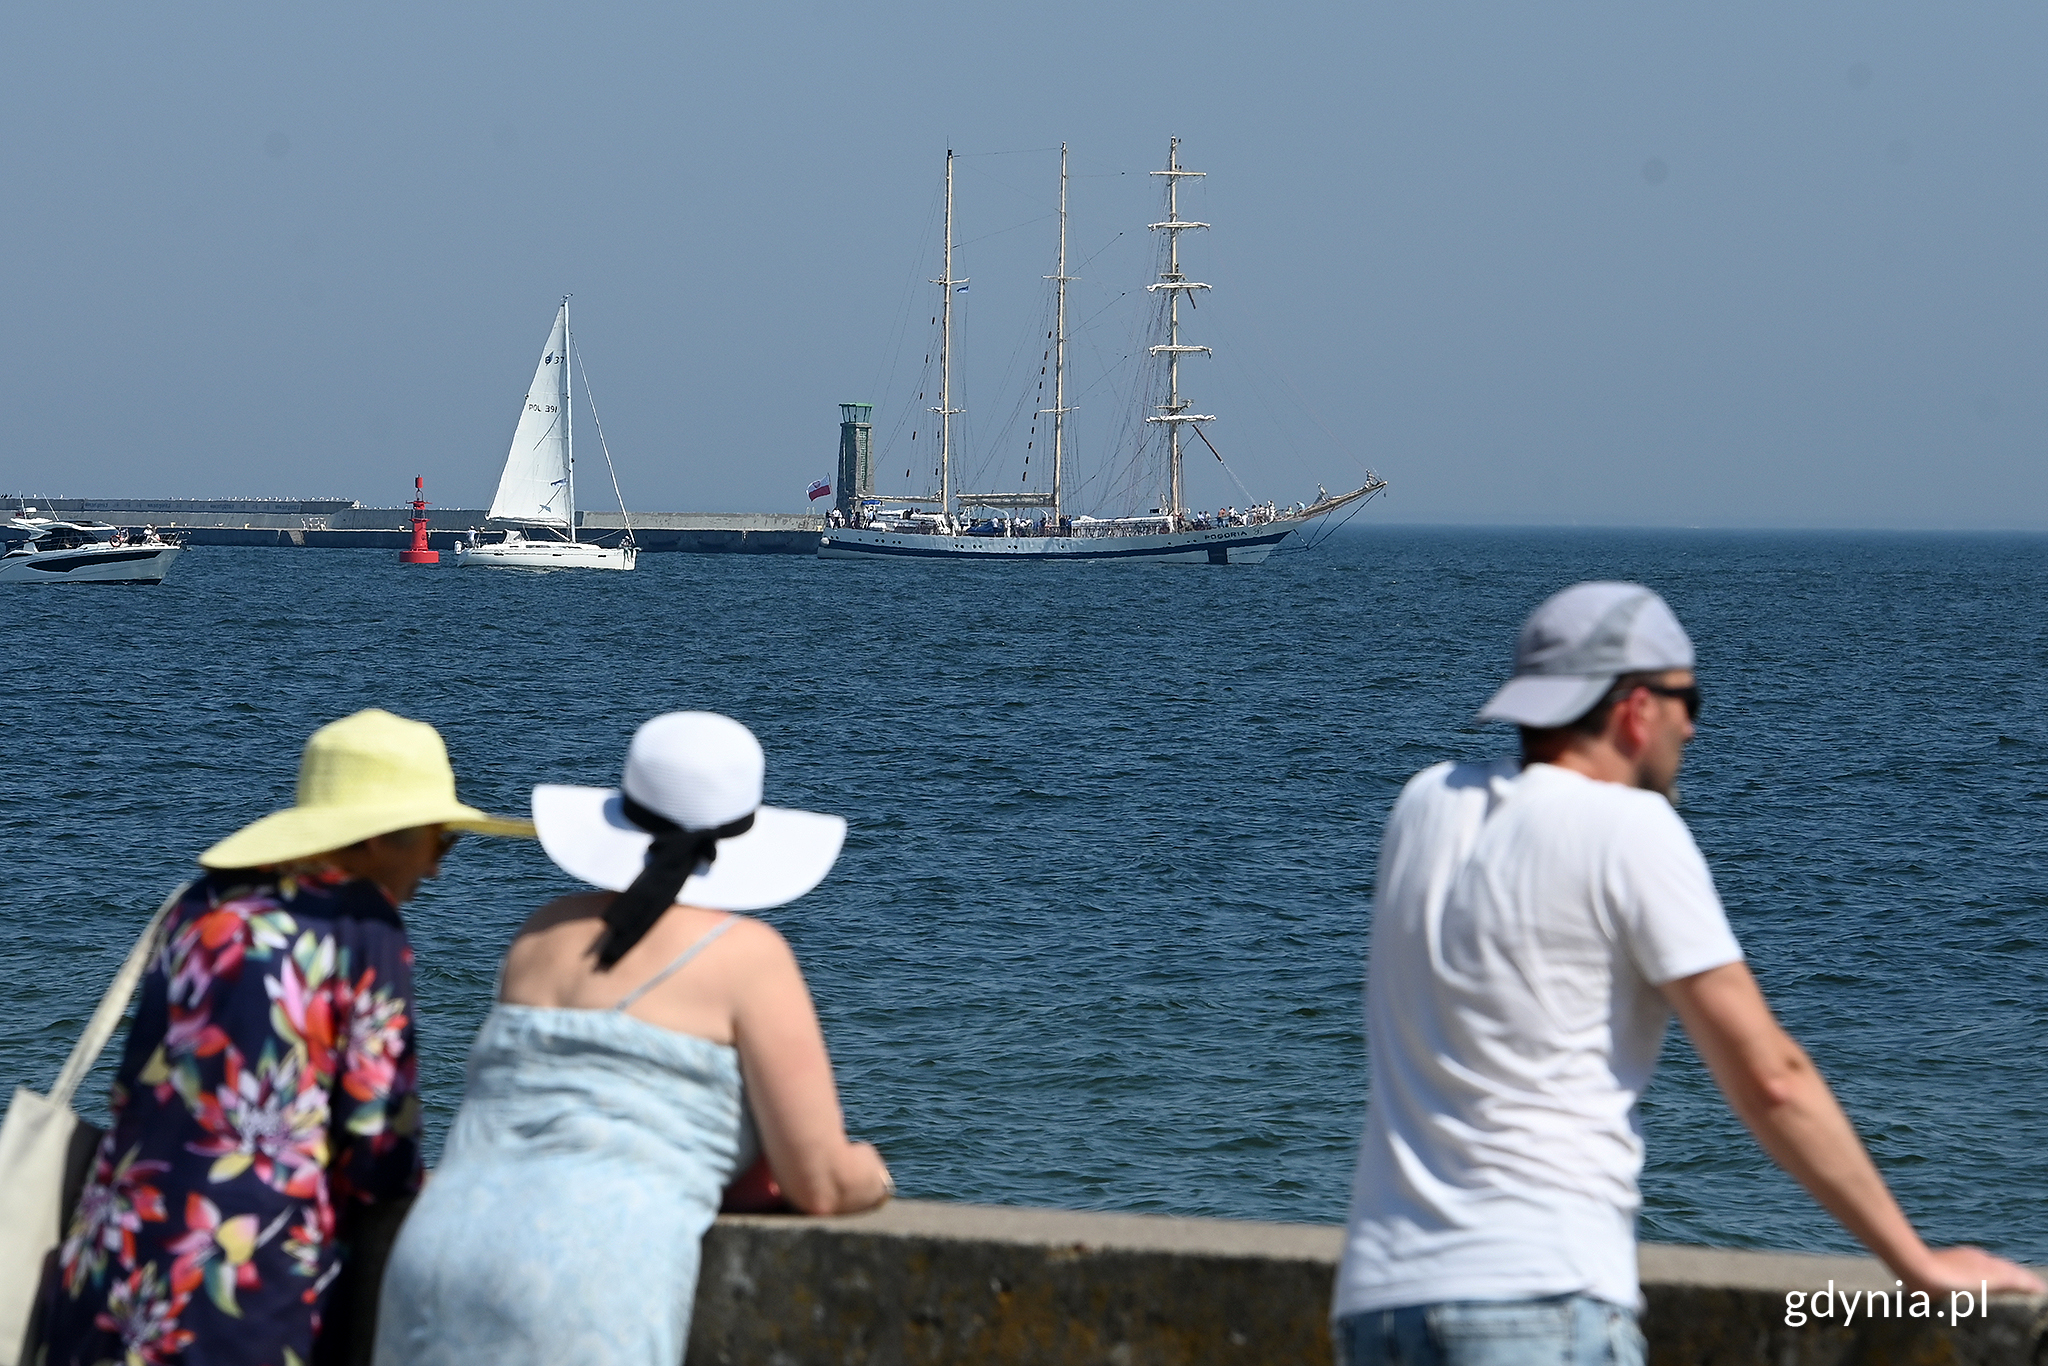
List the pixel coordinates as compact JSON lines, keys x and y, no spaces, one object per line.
{"x":1689,"y":694}
{"x":448,"y":839}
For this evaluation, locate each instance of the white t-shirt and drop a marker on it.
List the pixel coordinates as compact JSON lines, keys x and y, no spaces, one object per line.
{"x":1523,"y":922}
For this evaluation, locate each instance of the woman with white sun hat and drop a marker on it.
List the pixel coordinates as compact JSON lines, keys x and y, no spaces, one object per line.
{"x":641,"y":1035}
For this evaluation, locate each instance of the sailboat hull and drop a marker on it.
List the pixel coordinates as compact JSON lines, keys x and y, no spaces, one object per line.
{"x":524,"y":554}
{"x":1219,"y":545}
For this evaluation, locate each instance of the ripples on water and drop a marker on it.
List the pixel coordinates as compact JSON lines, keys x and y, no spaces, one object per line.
{"x":1097,"y":938}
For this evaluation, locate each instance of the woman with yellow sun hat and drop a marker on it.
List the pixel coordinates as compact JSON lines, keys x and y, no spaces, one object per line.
{"x":268,"y":1084}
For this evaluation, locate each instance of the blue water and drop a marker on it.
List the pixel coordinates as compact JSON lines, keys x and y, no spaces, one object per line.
{"x":1097,"y":939}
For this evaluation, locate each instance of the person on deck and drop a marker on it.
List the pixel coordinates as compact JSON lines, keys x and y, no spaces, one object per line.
{"x":1536,"y":925}
{"x":267,"y":1088}
{"x":640,"y":1035}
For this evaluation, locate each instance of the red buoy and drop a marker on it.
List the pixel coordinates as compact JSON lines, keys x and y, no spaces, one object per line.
{"x":419,"y":554}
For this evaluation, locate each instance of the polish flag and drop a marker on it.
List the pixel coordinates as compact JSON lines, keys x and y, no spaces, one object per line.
{"x":821,"y":489}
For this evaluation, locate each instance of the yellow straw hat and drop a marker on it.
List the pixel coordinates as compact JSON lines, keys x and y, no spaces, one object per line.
{"x":364,"y":775}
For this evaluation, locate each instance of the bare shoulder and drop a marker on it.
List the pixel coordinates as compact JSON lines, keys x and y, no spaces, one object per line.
{"x":564,"y":909}
{"x":750,"y":954}
{"x":759,"y":941}
{"x":562,"y":929}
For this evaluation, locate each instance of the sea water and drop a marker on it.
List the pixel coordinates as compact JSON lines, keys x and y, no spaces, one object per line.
{"x":1098,"y":935}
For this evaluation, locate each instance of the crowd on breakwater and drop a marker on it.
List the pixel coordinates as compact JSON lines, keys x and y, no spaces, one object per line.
{"x":1605,"y":700}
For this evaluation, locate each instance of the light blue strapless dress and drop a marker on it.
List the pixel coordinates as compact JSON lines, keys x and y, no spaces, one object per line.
{"x":564,"y":1221}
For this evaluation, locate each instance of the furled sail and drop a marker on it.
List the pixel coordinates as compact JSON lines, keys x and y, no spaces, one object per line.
{"x":535,"y":486}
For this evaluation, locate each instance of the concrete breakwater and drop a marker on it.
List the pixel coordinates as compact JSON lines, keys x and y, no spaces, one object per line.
{"x":337,"y":524}
{"x":934,"y":1283}
{"x":927,"y":1284}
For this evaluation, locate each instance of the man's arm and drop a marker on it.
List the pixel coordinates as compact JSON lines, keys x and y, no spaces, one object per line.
{"x":1775,"y":1089}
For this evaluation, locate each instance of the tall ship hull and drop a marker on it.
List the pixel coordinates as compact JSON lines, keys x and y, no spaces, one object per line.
{"x":1248,"y":538}
{"x":1245,"y":545}
{"x":1036,"y":526}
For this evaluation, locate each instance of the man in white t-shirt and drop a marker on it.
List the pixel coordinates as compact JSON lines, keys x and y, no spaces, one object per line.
{"x":1536,"y":924}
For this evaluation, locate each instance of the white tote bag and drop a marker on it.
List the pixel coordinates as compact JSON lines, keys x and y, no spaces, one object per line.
{"x":35,"y":1146}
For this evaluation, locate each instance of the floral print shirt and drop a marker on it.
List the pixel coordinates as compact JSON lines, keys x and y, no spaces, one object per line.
{"x":268,"y":1082}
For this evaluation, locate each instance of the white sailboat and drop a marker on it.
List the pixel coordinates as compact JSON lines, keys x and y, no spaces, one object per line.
{"x":536,"y":500}
{"x":939,"y":525}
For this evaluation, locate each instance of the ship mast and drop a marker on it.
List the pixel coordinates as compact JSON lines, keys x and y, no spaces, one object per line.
{"x":568,"y":420}
{"x":1059,"y":409}
{"x":945,"y":410}
{"x":1174,"y":412}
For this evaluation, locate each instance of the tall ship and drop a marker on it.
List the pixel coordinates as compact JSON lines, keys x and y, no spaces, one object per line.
{"x":534,"y":509}
{"x":946,"y":524}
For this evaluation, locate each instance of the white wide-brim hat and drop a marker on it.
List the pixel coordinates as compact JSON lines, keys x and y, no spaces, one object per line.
{"x":701,"y":771}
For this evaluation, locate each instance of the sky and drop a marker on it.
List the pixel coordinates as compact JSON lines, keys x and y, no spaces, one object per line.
{"x":1738,"y":265}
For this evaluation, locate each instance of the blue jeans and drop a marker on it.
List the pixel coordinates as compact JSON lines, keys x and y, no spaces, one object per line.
{"x":1563,"y":1330}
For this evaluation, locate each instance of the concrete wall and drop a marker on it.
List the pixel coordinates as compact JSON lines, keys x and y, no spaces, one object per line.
{"x":929,"y":1283}
{"x":655,"y":541}
{"x":706,"y":521}
{"x":715,"y":533}
{"x":105,"y":509}
{"x":334,"y":525}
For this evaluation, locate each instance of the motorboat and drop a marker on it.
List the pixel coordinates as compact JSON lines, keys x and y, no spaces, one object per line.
{"x":42,"y":550}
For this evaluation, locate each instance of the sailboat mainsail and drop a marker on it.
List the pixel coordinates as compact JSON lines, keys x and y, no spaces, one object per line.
{"x":535,"y":488}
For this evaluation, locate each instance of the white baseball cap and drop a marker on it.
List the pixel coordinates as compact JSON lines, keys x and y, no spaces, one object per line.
{"x":1577,"y":643}
{"x":701,"y":771}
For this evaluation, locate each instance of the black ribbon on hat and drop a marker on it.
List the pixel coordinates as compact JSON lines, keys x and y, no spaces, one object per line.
{"x":671,"y":859}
